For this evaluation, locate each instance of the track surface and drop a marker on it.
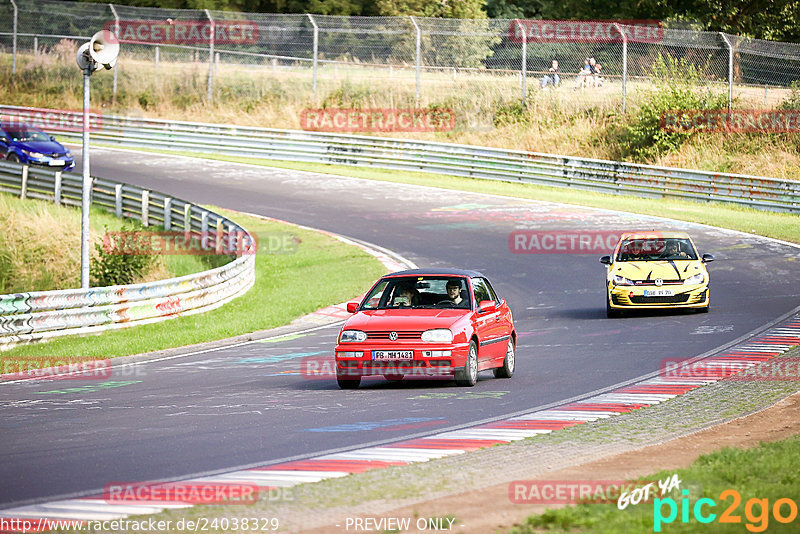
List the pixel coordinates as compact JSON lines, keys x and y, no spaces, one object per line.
{"x":239,"y":406}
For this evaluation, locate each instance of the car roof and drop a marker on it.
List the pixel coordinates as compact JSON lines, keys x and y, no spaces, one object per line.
{"x":436,"y":272}
{"x":655,"y":234}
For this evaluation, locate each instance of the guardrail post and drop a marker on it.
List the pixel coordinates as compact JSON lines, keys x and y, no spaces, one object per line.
{"x":204,"y":230}
{"x":145,"y":207}
{"x":14,"y":41}
{"x":116,"y":32}
{"x":220,"y":235}
{"x":730,"y":70}
{"x":316,"y":52}
{"x":418,"y":60}
{"x":231,"y":239}
{"x":24,"y":187}
{"x":211,"y":57}
{"x":624,"y":66}
{"x":118,"y":201}
{"x":187,"y":219}
{"x":524,"y":66}
{"x":167,"y":213}
{"x":57,"y":190}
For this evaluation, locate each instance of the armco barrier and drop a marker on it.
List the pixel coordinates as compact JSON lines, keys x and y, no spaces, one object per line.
{"x":34,"y":316}
{"x":443,"y":158}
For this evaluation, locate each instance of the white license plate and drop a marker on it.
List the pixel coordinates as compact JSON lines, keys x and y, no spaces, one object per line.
{"x":392,"y":354}
{"x":56,"y":162}
{"x":657,"y":292}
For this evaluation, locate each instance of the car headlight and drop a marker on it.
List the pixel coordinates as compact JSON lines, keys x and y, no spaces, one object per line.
{"x":437,"y":335}
{"x":352,"y":336}
{"x":699,"y":278}
{"x":622,"y":281}
{"x":33,"y":154}
{"x":68,"y":154}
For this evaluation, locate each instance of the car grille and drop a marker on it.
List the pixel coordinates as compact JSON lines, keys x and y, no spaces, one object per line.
{"x":675,"y":299}
{"x":384,"y":334}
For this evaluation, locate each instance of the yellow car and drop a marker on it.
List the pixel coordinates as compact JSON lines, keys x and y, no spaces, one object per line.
{"x":656,"y":270}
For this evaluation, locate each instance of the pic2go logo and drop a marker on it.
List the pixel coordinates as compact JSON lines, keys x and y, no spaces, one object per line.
{"x":757,"y":511}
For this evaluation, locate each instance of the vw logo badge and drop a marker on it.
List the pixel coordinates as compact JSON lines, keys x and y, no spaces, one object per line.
{"x":393,"y":336}
{"x":659,"y":281}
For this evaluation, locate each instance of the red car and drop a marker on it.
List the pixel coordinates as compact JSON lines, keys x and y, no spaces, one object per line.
{"x":427,"y":322}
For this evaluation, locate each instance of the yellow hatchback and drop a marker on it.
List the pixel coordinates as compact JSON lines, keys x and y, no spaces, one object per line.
{"x":656,"y":270}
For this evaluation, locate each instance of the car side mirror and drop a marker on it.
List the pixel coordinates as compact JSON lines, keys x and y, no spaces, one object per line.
{"x":52,"y":138}
{"x":708,"y":258}
{"x":605,"y":260}
{"x":352,"y":307}
{"x":487,"y":306}
{"x":3,"y":139}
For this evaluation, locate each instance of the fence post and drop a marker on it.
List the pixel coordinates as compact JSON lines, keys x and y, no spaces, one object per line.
{"x":116,"y":32}
{"x":316,"y":52}
{"x":35,"y":45}
{"x":57,"y":191}
{"x":145,"y":208}
{"x":730,"y":70}
{"x":118,"y":201}
{"x":211,"y":57}
{"x":418,"y":60}
{"x":524,"y":66}
{"x":624,"y":66}
{"x":14,"y":41}
{"x":24,"y":190}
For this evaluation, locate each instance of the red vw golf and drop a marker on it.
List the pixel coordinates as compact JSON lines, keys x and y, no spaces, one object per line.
{"x":427,"y":322}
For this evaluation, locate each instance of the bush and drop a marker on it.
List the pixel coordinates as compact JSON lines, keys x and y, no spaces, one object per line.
{"x":676,"y":89}
{"x":792,"y":102}
{"x":111,"y":269}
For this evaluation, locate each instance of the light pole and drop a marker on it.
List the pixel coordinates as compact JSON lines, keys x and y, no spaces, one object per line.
{"x":103,"y":49}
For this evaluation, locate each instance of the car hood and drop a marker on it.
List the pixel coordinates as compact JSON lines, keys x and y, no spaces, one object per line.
{"x":45,"y":147}
{"x":415,"y":319}
{"x":650,"y":270}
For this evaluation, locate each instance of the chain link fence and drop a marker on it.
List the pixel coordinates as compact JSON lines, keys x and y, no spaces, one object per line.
{"x":399,"y":61}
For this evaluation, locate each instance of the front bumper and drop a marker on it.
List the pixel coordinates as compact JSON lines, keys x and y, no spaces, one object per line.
{"x":56,"y":164}
{"x":429,"y":359}
{"x":633,"y":297}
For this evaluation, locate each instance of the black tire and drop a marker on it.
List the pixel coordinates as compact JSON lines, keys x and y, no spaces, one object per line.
{"x":394,"y":377}
{"x":348,"y":383}
{"x":468,"y":376}
{"x":509,"y":363}
{"x":13,"y":158}
{"x":704,"y":309}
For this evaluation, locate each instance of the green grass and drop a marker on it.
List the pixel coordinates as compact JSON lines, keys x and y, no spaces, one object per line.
{"x":290,"y":282}
{"x":768,"y":471}
{"x":770,"y":224}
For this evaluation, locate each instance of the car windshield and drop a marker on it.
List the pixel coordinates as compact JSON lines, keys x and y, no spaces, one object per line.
{"x":656,"y":249}
{"x":418,"y":292}
{"x":27,"y":135}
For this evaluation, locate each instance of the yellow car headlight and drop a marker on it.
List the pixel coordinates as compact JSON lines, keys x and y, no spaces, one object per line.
{"x":622,"y":281}
{"x":699,"y":278}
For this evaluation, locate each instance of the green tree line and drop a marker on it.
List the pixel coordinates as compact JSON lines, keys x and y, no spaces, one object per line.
{"x":763,"y":19}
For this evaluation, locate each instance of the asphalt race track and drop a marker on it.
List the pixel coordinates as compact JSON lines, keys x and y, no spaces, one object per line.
{"x":250,"y":404}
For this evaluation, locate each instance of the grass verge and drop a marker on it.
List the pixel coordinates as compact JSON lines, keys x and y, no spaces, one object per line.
{"x":291,"y":280}
{"x":782,"y":226}
{"x":761,"y":476}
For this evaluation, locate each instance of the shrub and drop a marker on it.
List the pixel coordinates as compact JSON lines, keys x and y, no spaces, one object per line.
{"x":110,"y":269}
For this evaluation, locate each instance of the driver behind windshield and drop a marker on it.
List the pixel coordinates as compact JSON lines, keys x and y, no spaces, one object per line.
{"x":454,"y":292}
{"x":673,"y":251}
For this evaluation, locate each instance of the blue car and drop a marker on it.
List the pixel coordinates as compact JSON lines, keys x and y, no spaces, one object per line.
{"x":28,"y":145}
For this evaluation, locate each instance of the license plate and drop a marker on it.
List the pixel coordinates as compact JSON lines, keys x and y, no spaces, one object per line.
{"x":56,"y":162}
{"x":392,"y":354}
{"x":657,"y":292}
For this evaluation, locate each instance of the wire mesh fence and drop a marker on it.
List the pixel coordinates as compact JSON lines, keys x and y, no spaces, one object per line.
{"x":405,"y":61}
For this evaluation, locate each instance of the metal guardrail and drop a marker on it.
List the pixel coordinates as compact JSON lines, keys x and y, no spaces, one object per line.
{"x":433,"y":157}
{"x":35,"y":316}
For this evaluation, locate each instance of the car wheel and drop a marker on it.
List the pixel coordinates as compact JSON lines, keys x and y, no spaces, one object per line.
{"x":704,"y":309}
{"x":468,"y":376}
{"x":348,"y":383}
{"x":393,"y":377}
{"x":507,"y":370}
{"x":13,"y":158}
